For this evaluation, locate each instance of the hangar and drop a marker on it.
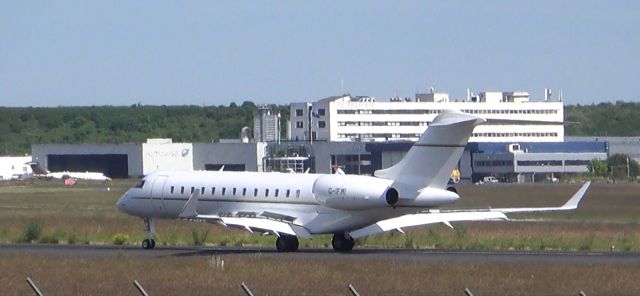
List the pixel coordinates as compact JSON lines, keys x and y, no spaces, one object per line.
{"x":134,"y":160}
{"x":113,"y":160}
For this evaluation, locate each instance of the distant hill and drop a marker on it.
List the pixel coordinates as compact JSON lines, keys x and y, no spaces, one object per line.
{"x":21,"y":127}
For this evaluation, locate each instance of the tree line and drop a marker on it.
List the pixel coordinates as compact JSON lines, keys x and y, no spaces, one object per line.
{"x":21,"y":127}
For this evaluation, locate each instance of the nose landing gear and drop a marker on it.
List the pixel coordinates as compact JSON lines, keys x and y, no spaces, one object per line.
{"x":150,"y":228}
{"x":148,"y":244}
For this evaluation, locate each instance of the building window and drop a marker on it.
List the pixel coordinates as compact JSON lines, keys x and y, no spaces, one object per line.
{"x":321,"y":112}
{"x":299,"y":112}
{"x":322,"y":124}
{"x":299,"y":124}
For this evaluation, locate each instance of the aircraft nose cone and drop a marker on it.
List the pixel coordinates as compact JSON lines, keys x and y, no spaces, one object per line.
{"x":121,"y":203}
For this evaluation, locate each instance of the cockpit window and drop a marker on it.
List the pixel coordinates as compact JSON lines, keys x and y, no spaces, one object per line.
{"x":140,"y":184}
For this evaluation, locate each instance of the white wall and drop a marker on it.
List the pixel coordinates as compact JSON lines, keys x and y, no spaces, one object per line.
{"x":167,"y":157}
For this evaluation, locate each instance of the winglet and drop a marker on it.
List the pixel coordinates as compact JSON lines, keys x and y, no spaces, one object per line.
{"x":573,"y":202}
{"x":189,"y":208}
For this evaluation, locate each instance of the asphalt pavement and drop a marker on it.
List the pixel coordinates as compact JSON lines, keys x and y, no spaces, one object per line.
{"x":507,"y":257}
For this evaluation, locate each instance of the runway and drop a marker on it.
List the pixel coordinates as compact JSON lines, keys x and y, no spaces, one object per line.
{"x":358,"y":254}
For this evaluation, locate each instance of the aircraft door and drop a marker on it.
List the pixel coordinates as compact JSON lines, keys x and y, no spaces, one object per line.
{"x":157,"y":194}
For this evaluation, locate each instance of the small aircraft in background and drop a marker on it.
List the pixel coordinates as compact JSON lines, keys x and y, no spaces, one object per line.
{"x":38,"y":172}
{"x":302,"y":205}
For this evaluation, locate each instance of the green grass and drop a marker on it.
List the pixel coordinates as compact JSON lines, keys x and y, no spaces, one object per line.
{"x":607,"y":219}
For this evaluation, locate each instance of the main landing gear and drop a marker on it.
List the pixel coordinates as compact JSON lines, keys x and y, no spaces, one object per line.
{"x":150,"y":228}
{"x":287,"y":243}
{"x":342,"y":242}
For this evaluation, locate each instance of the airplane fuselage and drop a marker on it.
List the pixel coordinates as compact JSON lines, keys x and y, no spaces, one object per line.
{"x":79,"y":175}
{"x":319,"y":202}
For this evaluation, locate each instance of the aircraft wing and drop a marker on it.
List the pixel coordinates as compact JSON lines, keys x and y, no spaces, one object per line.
{"x":265,"y":222}
{"x":447,"y":217}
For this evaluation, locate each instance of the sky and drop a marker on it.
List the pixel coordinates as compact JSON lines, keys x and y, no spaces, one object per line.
{"x":77,"y":53}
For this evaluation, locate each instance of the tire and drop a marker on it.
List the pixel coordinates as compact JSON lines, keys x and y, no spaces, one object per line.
{"x":293,"y":243}
{"x":342,"y":244}
{"x":287,"y":243}
{"x":153,"y":244}
{"x":146,"y":244}
{"x":281,"y":244}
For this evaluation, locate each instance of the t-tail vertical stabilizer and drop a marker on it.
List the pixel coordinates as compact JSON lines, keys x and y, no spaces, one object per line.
{"x":431,"y":159}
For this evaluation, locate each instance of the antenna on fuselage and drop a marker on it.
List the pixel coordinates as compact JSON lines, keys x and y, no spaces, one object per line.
{"x":221,"y":168}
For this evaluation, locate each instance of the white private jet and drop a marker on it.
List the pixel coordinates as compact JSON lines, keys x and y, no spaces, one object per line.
{"x":302,"y":205}
{"x":39,"y":172}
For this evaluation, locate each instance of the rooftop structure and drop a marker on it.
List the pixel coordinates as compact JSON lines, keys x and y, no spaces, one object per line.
{"x":266,"y":126}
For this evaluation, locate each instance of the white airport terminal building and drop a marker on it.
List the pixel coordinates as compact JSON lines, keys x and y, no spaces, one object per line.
{"x":365,"y":119}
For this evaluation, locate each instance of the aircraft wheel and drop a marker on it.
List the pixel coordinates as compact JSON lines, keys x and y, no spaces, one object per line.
{"x":153,"y":243}
{"x":281,"y":244}
{"x":293,"y":243}
{"x":146,"y":244}
{"x":287,"y":243}
{"x":342,"y":244}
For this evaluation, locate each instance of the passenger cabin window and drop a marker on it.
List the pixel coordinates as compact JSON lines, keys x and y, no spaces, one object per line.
{"x":234,"y":191}
{"x":213,"y":190}
{"x":288,"y":193}
{"x":277,"y":191}
{"x":266,"y":192}
{"x":181,"y":189}
{"x":244,"y":191}
{"x":255,"y":192}
{"x":140,"y":184}
{"x":298,"y":193}
{"x":224,"y":190}
{"x":202,"y":191}
{"x":193,"y":189}
{"x":172,"y":189}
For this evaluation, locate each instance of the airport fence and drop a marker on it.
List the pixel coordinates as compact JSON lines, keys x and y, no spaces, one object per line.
{"x":243,"y":287}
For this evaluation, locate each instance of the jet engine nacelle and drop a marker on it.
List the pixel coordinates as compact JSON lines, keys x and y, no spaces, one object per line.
{"x":347,"y":192}
{"x":432,"y":197}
